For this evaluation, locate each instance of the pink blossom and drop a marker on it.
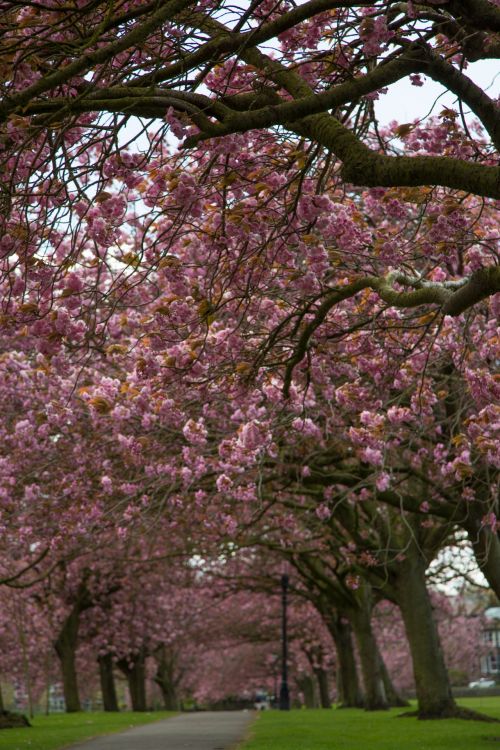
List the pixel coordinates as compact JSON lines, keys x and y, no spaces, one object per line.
{"x":397,"y":414}
{"x":353,"y":581}
{"x":328,"y":492}
{"x":107,"y":484}
{"x":323,"y":512}
{"x":306,"y":426}
{"x":195,"y":432}
{"x":383,"y":481}
{"x":224,"y":483}
{"x":230,"y":525}
{"x":250,"y":435}
{"x":372,"y":456}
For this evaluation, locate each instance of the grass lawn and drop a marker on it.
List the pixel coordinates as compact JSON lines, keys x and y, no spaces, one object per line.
{"x":353,"y":729}
{"x":61,"y":730}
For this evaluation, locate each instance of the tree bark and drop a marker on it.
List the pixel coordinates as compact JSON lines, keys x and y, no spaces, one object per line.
{"x":349,"y":694}
{"x":134,"y":669}
{"x":435,"y":700}
{"x":2,"y":705}
{"x":166,"y":679}
{"x":108,"y":689}
{"x":393,"y":697}
{"x":306,"y":685}
{"x":66,"y":645}
{"x":324,"y":691}
{"x":371,"y":663}
{"x":66,"y":651}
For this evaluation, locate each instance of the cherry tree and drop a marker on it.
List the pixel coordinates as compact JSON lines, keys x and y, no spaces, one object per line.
{"x":66,"y":67}
{"x":210,"y":75}
{"x":289,"y":313}
{"x":460,"y":632}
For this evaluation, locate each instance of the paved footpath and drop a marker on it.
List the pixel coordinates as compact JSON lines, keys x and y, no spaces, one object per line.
{"x":206,"y":730}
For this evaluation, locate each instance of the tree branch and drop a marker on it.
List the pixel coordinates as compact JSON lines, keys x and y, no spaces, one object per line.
{"x":362,"y":166}
{"x":89,"y":59}
{"x":453,"y":298}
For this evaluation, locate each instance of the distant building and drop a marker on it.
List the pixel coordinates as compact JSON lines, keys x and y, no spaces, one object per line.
{"x":490,"y":661}
{"x":56,"y":703}
{"x":20,"y":696}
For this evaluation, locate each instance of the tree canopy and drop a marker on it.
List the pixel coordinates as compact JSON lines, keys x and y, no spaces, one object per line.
{"x":243,"y":319}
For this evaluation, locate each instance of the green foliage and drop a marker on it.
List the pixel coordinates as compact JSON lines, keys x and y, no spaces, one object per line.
{"x":353,"y":729}
{"x":61,"y":730}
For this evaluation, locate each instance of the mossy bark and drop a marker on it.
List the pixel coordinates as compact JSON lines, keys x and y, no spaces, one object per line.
{"x":435,"y":700}
{"x":369,"y":655}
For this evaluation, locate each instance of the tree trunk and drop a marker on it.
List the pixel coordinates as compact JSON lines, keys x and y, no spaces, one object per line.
{"x":134,"y":670}
{"x":66,"y":645}
{"x":305,"y":684}
{"x":433,"y":689}
{"x":166,"y":680}
{"x":108,"y":690}
{"x":349,"y":694}
{"x":324,"y":691}
{"x":2,"y":705}
{"x":66,"y":650}
{"x":393,"y":697}
{"x":369,"y":655}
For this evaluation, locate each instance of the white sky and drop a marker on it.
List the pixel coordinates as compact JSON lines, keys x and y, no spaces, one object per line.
{"x":404,"y":102}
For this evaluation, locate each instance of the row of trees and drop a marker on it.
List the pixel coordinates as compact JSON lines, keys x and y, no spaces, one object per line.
{"x":278,"y":337}
{"x":211,"y":642}
{"x":118,"y":499}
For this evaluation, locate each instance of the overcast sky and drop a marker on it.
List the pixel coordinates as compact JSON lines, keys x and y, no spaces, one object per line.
{"x":404,"y":102}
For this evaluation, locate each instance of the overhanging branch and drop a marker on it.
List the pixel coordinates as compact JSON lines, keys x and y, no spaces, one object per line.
{"x":452,"y":297}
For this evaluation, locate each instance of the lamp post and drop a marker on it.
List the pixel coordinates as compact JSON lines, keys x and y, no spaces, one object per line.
{"x":284,"y":703}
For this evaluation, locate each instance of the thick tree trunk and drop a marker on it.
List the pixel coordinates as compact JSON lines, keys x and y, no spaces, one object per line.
{"x":66,"y":651}
{"x":369,"y":655}
{"x":165,"y":678}
{"x":349,"y":694}
{"x":108,"y":689}
{"x":66,"y":645}
{"x":134,"y":670}
{"x":324,"y":692}
{"x":433,"y":689}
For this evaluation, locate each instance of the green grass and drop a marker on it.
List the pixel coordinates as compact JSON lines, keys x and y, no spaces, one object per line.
{"x":352,"y":729}
{"x":61,"y":730}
